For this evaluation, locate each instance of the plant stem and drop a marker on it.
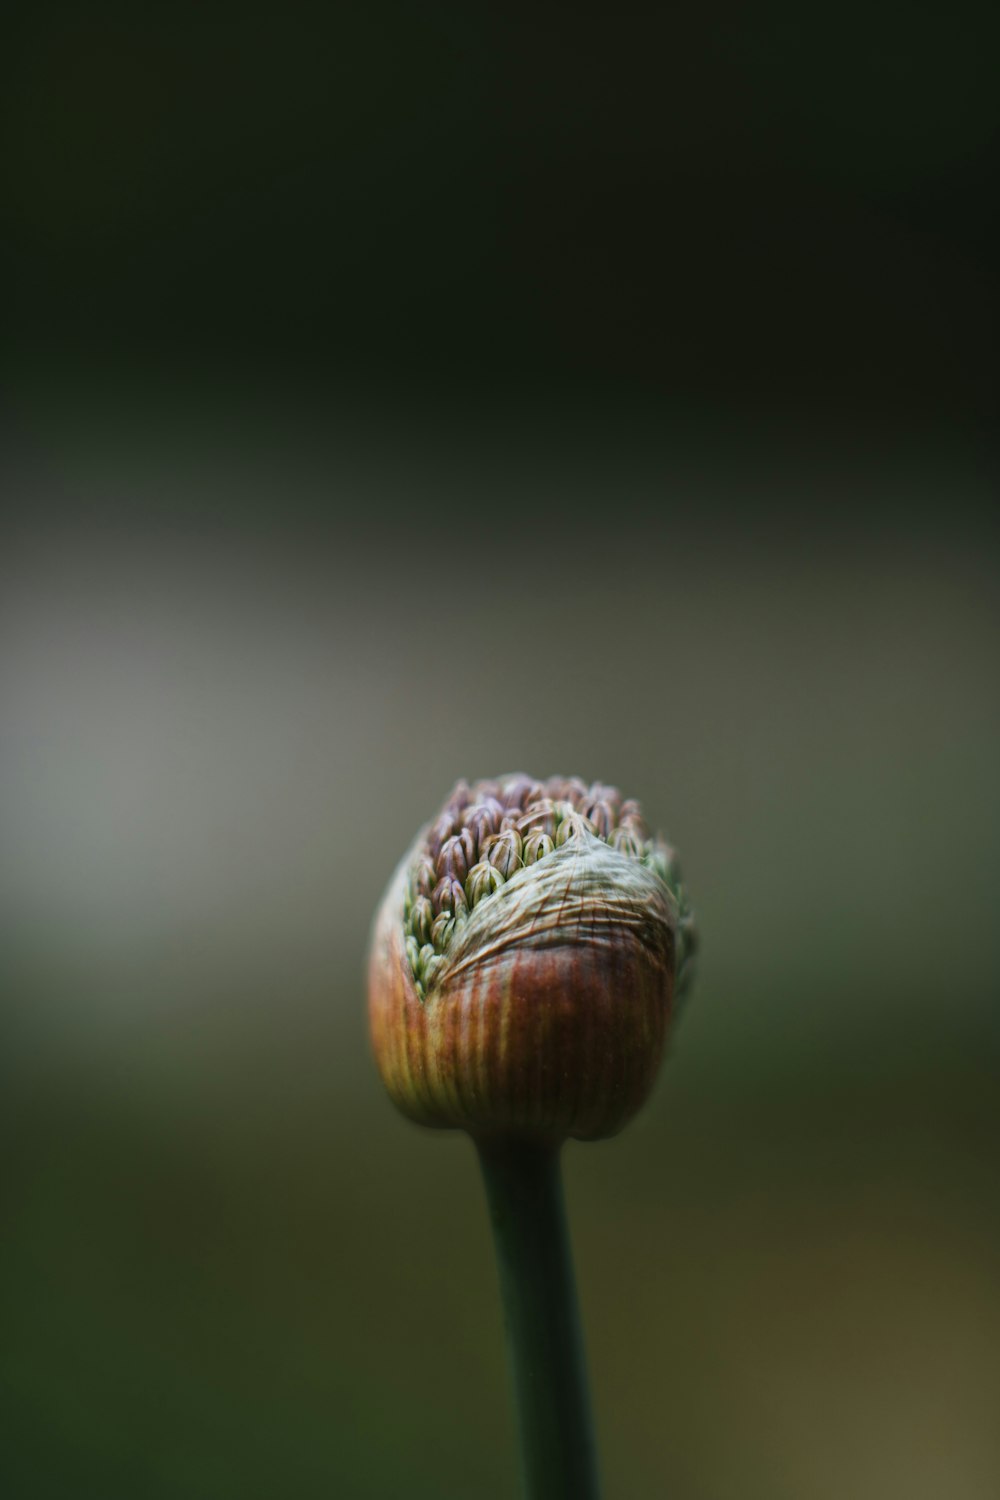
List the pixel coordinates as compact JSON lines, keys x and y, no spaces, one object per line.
{"x":544,"y":1343}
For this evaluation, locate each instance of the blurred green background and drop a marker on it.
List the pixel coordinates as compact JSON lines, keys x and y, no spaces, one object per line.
{"x":394,"y":397}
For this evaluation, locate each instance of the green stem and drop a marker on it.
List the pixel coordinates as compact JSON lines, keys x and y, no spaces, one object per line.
{"x":545,"y":1347}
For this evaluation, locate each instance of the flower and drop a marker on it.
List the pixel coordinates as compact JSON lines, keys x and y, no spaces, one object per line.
{"x":526,"y":959}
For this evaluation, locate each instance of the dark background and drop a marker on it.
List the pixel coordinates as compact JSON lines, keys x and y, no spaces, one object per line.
{"x":394,"y":394}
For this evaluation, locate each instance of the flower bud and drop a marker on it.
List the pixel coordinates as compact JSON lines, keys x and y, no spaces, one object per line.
{"x":539,"y":817}
{"x":536,"y":846}
{"x":637,"y":826}
{"x":421,"y":919}
{"x":514,"y":791}
{"x":503,"y":851}
{"x":573,"y":826}
{"x":625,"y":841}
{"x":490,"y":807}
{"x":448,"y":895}
{"x":424,"y":877}
{"x":441,"y":931}
{"x":453,"y":859}
{"x":573,"y":791}
{"x":443,"y":828}
{"x":482,"y":819}
{"x":483,"y":880}
{"x":600,"y":813}
{"x":432,"y":966}
{"x":541,"y":1011}
{"x":425,"y":955}
{"x":630,"y":817}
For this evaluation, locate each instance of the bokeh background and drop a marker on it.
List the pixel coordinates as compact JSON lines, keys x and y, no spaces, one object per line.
{"x":391,"y":395}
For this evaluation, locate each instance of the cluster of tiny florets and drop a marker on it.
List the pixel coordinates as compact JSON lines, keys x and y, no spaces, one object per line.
{"x":488,"y":831}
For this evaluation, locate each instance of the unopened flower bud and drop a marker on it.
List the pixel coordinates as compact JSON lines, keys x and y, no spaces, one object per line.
{"x":448,"y":895}
{"x":421,"y":919}
{"x":600,"y":813}
{"x":630,"y":816}
{"x":625,"y":841}
{"x":539,"y":817}
{"x":536,"y":846}
{"x":482,"y":819}
{"x":567,"y":789}
{"x":573,"y":826}
{"x":425,"y":955}
{"x":514,"y":790}
{"x":491,"y":806}
{"x":635,"y":825}
{"x":503,"y":851}
{"x":541,"y":1011}
{"x":441,"y":930}
{"x":453,"y":859}
{"x":424,"y":877}
{"x":483,"y":880}
{"x":443,"y":828}
{"x":432,"y":967}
